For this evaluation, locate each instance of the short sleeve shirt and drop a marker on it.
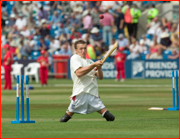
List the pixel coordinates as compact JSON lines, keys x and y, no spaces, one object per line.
{"x":86,"y":83}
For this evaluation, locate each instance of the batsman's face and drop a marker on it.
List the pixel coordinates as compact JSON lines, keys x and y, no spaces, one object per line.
{"x":81,"y":50}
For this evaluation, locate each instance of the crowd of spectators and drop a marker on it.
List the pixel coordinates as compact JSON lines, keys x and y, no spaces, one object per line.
{"x":31,"y":26}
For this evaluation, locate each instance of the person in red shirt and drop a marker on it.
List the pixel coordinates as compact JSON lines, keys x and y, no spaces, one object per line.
{"x":43,"y":60}
{"x":7,"y":62}
{"x":119,"y":61}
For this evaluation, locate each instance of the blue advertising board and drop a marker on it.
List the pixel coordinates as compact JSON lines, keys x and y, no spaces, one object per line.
{"x":140,"y":69}
{"x":151,"y":68}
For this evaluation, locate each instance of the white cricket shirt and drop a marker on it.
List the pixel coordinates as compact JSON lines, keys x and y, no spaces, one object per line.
{"x":86,"y":83}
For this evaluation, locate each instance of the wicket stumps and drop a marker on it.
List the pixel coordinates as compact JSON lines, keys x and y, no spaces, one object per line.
{"x":175,"y":93}
{"x":22,"y":101}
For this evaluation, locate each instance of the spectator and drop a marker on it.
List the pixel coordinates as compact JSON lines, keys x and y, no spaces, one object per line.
{"x":152,"y":13}
{"x":95,"y":17}
{"x":66,"y":7}
{"x":35,"y":9}
{"x":174,"y":31}
{"x":43,"y":44}
{"x":123,"y":42}
{"x":14,"y":32}
{"x":174,"y":55}
{"x":155,"y":46}
{"x":142,"y":46}
{"x":175,"y":43}
{"x":134,"y":50}
{"x":27,"y":8}
{"x":167,"y":24}
{"x":42,"y":14}
{"x":44,"y":31}
{"x":87,"y":21}
{"x":135,"y":13}
{"x":97,"y":37}
{"x":12,"y":20}
{"x":157,"y":55}
{"x":21,"y":22}
{"x":120,"y":21}
{"x":31,"y":43}
{"x":152,"y":26}
{"x":56,"y":19}
{"x":3,"y":40}
{"x":63,"y":30}
{"x":12,"y":42}
{"x":25,"y":50}
{"x":65,"y":37}
{"x":37,"y":31}
{"x":4,"y":15}
{"x":25,"y":32}
{"x":88,"y":4}
{"x":53,"y":5}
{"x":18,"y":6}
{"x":159,"y":32}
{"x":78,"y":7}
{"x":88,"y":39}
{"x":165,"y":40}
{"x":47,"y":6}
{"x":68,"y":24}
{"x":54,"y":45}
{"x":75,"y":34}
{"x":75,"y":3}
{"x":147,"y":41}
{"x":107,"y":22}
{"x":31,"y":23}
{"x":73,"y":21}
{"x":19,"y":39}
{"x":65,"y":50}
{"x":127,"y":17}
{"x":107,"y":5}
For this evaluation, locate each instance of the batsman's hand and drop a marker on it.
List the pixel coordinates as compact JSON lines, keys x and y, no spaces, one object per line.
{"x":98,"y":64}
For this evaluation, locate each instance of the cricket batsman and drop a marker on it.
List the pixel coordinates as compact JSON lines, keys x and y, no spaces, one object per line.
{"x":85,"y":96}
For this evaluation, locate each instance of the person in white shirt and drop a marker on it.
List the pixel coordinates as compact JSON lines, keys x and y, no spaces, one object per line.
{"x":54,"y":45}
{"x":153,"y":26}
{"x":134,"y":49}
{"x":85,"y":96}
{"x":146,"y":40}
{"x":21,"y":22}
{"x":142,"y":46}
{"x":25,"y":32}
{"x":159,"y":31}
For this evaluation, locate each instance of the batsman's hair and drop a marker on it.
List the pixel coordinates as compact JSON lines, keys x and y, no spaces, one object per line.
{"x":80,"y":41}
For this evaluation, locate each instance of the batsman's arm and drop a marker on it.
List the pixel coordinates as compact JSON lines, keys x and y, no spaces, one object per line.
{"x":99,"y":74}
{"x":85,"y":70}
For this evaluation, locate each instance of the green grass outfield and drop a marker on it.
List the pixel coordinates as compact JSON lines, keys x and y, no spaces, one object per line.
{"x":128,"y":101}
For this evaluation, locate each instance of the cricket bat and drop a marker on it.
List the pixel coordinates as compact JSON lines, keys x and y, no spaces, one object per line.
{"x":109,"y":52}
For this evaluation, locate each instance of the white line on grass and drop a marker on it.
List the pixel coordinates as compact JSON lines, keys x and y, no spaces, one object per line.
{"x":101,"y":85}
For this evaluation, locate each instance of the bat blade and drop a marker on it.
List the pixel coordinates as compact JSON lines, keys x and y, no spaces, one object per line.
{"x":109,"y":52}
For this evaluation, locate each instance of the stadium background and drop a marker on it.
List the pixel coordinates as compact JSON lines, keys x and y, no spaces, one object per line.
{"x":59,"y":24}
